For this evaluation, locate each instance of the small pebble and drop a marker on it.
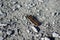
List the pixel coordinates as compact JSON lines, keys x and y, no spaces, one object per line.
{"x":55,"y":13}
{"x":37,"y":28}
{"x":58,"y":13}
{"x":12,"y":32}
{"x":55,"y":34}
{"x":18,"y":6}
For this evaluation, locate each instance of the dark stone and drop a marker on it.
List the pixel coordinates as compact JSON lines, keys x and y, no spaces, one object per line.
{"x":9,"y":24}
{"x":59,"y":13}
{"x":51,"y":38}
{"x":20,"y":5}
{"x":18,"y":31}
{"x":2,"y":5}
{"x":42,"y":34}
{"x":5,"y":27}
{"x":4,"y":30}
{"x":23,"y":38}
{"x":13,"y":31}
{"x":5,"y":14}
{"x":1,"y":19}
{"x":6,"y":36}
{"x":55,"y":13}
{"x":9,"y":29}
{"x":10,"y":20}
{"x":38,"y":29}
{"x":16,"y":9}
{"x":33,"y":38}
{"x":16,"y":2}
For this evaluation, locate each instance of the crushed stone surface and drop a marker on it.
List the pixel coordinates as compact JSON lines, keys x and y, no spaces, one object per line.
{"x":15,"y":26}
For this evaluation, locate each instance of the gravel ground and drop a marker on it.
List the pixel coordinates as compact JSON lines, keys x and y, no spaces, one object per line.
{"x":14,"y":24}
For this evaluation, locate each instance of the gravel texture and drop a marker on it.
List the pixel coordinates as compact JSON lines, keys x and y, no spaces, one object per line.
{"x":14,"y":25}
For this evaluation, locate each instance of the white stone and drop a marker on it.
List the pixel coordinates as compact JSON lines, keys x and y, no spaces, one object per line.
{"x":46,"y":9}
{"x":27,"y":31}
{"x":1,"y":12}
{"x":8,"y":33}
{"x":38,"y":10}
{"x":18,"y":6}
{"x":1,"y":33}
{"x":55,"y":34}
{"x":3,"y":24}
{"x":15,"y":31}
{"x":40,"y":0}
{"x":42,"y":38}
{"x":53,"y":23}
{"x":34,"y":29}
{"x":52,"y":13}
{"x":37,"y":35}
{"x":33,"y":4}
{"x":47,"y":38}
{"x":38,"y":14}
{"x":59,"y":37}
{"x":13,"y":9}
{"x":28,"y":7}
{"x":24,"y":18}
{"x":13,"y":2}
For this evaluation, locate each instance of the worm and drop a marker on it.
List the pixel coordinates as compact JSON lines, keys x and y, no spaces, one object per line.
{"x":34,"y":20}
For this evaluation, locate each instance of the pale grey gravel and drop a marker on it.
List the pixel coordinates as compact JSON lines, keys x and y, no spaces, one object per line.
{"x":13,"y":17}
